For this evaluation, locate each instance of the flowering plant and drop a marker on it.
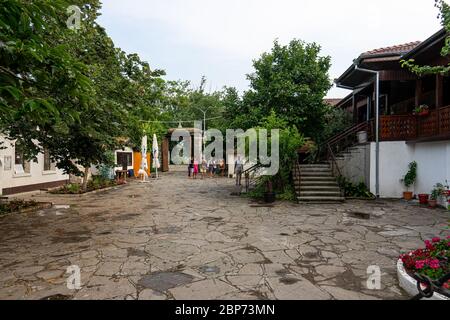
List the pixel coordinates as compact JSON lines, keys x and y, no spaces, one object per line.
{"x":422,"y":109}
{"x":433,"y":261}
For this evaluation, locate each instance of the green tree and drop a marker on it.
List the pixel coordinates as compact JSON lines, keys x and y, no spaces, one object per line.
{"x":290,"y":141}
{"x":40,"y":80}
{"x":444,"y":16}
{"x":292,"y":80}
{"x":71,"y":92}
{"x":336,"y":121}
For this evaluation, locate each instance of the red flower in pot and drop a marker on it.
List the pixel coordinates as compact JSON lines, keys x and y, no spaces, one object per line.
{"x":422,"y":110}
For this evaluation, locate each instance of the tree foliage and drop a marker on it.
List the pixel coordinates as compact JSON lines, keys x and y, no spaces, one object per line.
{"x":77,"y":95}
{"x":71,"y":92}
{"x":290,"y":141}
{"x":291,"y":80}
{"x":444,"y":16}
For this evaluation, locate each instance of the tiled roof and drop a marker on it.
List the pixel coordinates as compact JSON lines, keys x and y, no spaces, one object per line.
{"x":402,"y":48}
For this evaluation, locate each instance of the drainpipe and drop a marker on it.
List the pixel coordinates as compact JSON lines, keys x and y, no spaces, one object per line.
{"x":377,"y":126}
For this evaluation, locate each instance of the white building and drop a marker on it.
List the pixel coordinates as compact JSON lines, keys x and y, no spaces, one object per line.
{"x":18,"y":175}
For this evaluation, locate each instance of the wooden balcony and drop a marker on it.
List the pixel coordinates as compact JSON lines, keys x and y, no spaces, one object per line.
{"x":410,"y":128}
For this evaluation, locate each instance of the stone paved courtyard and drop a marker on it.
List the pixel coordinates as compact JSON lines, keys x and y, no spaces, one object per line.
{"x":181,"y":239}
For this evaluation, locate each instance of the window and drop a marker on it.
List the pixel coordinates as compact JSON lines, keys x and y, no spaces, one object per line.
{"x":124,"y":158}
{"x":48,"y":164}
{"x":22,"y":166}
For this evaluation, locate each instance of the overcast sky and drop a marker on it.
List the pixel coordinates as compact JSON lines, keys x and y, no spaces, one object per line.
{"x":219,"y":39}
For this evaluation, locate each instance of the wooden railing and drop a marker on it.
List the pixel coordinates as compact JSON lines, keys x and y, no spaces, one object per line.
{"x":394,"y":128}
{"x":444,"y":120}
{"x":410,"y":127}
{"x":344,"y":140}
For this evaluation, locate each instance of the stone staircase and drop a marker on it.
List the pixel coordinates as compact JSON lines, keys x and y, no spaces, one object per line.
{"x":315,"y":183}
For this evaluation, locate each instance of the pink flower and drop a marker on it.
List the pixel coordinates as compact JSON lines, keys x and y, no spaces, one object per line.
{"x":436,"y":240}
{"x":429,"y":245}
{"x":448,"y":237}
{"x":434,"y":264}
{"x":420,"y":264}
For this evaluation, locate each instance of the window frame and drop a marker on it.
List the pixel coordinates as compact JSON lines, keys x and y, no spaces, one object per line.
{"x":121,"y":154}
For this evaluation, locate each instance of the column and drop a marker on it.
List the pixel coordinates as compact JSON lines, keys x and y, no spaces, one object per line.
{"x":439,"y":91}
{"x":418,"y":92}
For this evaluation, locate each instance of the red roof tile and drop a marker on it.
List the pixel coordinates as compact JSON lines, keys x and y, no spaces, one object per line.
{"x":402,"y":48}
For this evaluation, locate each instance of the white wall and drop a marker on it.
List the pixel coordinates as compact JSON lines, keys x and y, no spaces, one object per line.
{"x":355,"y":164}
{"x":37,"y":175}
{"x":433,"y":159}
{"x":434,"y":165}
{"x":394,"y":160}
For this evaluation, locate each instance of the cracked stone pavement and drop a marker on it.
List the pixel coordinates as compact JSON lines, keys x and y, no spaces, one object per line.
{"x":177,"y":238}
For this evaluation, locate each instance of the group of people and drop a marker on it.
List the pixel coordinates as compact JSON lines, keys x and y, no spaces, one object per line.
{"x":204,"y":168}
{"x":213,"y":168}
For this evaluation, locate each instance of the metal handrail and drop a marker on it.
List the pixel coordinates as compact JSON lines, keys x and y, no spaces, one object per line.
{"x":338,"y":139}
{"x":247,"y":172}
{"x":298,"y":173}
{"x":347,"y":132}
{"x":333,"y":161}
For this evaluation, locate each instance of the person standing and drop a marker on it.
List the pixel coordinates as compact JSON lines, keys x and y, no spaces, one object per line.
{"x":204,"y":168}
{"x":191,"y":168}
{"x":238,"y":169}
{"x":222,"y":167}
{"x":195,"y":169}
{"x":211,"y":168}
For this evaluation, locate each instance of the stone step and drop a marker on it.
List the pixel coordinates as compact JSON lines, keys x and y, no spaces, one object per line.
{"x":334,"y":188}
{"x":317,"y":178}
{"x":320,"y":199}
{"x":319,"y":184}
{"x":317,"y":174}
{"x":310,"y":171}
{"x":313,"y":183}
{"x":314,"y":166}
{"x":320,"y":193}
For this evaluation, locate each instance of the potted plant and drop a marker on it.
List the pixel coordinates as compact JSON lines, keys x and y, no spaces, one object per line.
{"x":437,"y":192}
{"x":447,"y":189}
{"x":422,"y":110}
{"x":269,"y":195}
{"x":409,"y":180}
{"x":430,"y":262}
{"x":424,"y":198}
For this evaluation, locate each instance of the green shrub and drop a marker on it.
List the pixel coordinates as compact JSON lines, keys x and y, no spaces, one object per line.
{"x":73,"y":188}
{"x":290,"y":140}
{"x":410,"y":177}
{"x":354,"y":191}
{"x":15,"y":206}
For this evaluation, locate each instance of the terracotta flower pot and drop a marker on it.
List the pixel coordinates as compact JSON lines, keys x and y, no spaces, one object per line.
{"x":423,"y":198}
{"x":432,"y":203}
{"x":408,"y":195}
